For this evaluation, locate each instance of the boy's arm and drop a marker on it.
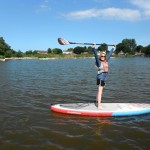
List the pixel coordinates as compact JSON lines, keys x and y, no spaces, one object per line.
{"x":110,"y":53}
{"x":96,"y":57}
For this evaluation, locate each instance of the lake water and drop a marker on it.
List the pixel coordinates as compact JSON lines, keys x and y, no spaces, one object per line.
{"x":29,"y":87}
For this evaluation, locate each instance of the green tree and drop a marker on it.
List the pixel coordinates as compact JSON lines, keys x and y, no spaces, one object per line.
{"x":139,"y":48}
{"x":126,"y":46}
{"x":120,"y":47}
{"x":57,"y":51}
{"x":19,"y":54}
{"x":70,"y":49}
{"x":103,"y":47}
{"x":85,"y":49}
{"x":78,"y":50}
{"x":8,"y":53}
{"x":34,"y":52}
{"x":4,"y":47}
{"x":129,"y":45}
{"x":49,"y":50}
{"x":29,"y":52}
{"x":146,"y":51}
{"x":90,"y":50}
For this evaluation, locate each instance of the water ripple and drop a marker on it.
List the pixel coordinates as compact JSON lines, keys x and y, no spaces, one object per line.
{"x":28,"y":87}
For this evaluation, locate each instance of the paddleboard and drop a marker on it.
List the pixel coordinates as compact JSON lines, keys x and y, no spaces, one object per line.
{"x":107,"y":110}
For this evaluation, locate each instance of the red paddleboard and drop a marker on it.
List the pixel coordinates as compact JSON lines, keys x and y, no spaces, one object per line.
{"x":107,"y":110}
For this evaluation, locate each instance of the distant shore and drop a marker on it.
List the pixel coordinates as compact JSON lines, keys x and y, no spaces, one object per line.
{"x":48,"y":57}
{"x":2,"y":59}
{"x":17,"y":58}
{"x":24,"y":58}
{"x":62,"y":57}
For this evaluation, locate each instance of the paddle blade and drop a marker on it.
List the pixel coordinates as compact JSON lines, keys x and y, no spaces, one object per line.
{"x":63,"y":41}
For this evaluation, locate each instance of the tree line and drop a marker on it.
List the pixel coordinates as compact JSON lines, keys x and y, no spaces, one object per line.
{"x":6,"y":51}
{"x":126,"y":46}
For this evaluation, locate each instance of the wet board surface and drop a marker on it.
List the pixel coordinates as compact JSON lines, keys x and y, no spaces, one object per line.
{"x":107,"y":110}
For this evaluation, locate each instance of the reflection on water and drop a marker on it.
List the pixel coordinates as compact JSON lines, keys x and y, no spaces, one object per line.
{"x":96,"y":122}
{"x":28,"y":87}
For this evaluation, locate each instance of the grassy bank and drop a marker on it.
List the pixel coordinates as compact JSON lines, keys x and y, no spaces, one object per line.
{"x":52,"y":56}
{"x":59,"y":56}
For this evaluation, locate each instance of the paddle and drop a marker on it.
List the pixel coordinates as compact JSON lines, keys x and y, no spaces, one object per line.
{"x":66,"y":42}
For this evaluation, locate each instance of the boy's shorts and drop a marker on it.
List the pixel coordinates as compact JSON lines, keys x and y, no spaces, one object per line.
{"x":100,"y":82}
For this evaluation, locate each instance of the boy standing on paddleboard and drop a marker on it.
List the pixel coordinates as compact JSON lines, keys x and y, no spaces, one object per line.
{"x":102,"y":75}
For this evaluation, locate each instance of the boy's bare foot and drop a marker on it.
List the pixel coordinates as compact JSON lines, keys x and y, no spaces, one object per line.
{"x":100,"y":107}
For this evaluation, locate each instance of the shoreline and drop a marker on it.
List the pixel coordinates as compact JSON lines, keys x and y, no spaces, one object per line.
{"x":52,"y":58}
{"x":26,"y":58}
{"x":2,"y":59}
{"x":37,"y":58}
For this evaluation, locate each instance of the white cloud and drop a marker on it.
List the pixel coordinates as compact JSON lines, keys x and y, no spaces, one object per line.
{"x":43,"y":7}
{"x":107,"y":13}
{"x":144,"y":6}
{"x":140,"y":10}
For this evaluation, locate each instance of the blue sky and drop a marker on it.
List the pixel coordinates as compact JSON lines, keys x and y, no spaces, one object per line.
{"x":36,"y":24}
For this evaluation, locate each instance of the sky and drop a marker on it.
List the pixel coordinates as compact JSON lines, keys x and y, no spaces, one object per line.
{"x":37,"y":24}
